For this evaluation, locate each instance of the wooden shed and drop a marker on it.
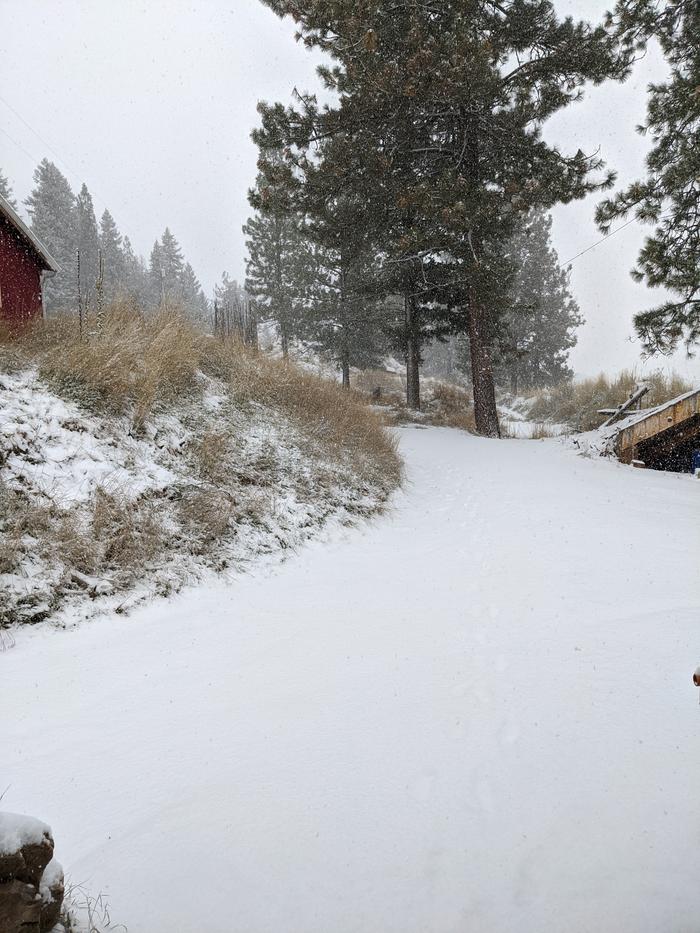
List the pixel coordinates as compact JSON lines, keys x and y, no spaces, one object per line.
{"x":24,"y":261}
{"x":665,"y":437}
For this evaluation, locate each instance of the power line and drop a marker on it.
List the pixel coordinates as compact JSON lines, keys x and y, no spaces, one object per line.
{"x":77,"y":176}
{"x":40,"y":137}
{"x":19,"y":145}
{"x":632,"y":220}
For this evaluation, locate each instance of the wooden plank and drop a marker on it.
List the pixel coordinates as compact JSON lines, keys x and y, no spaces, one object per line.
{"x":663,"y":419}
{"x":635,"y":397}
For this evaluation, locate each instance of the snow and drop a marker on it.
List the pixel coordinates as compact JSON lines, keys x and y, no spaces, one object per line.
{"x":59,"y":457}
{"x":18,"y":830}
{"x":51,"y":448}
{"x":53,"y":874}
{"x":474,"y":714}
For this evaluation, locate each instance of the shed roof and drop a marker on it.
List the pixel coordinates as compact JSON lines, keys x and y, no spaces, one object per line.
{"x":10,"y":214}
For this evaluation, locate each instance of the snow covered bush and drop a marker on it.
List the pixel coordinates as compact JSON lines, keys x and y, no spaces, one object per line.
{"x":133,"y":462}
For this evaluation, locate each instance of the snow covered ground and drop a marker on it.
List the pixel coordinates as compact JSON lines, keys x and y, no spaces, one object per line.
{"x":475,"y":714}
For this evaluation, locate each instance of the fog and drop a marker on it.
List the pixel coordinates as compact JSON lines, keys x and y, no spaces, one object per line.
{"x":152,"y":103}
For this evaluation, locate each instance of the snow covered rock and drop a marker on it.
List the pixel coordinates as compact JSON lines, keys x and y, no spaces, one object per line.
{"x":31,"y":880}
{"x":51,"y":890}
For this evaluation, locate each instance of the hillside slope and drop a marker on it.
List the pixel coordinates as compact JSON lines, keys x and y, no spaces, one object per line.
{"x":137,"y":462}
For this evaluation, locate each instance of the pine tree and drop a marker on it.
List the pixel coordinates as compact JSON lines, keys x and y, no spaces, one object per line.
{"x":171,"y":266}
{"x":110,"y":241}
{"x":157,"y":294}
{"x":193,"y":299}
{"x":538,"y":329}
{"x":450,"y":99}
{"x":277,"y":255}
{"x":88,"y":245}
{"x":234,"y":314}
{"x":52,"y":208}
{"x":137,"y":280}
{"x":344,"y":316}
{"x":6,"y":191}
{"x":669,"y":196}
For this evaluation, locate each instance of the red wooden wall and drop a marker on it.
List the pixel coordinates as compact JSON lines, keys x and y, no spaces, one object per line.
{"x":20,"y":277}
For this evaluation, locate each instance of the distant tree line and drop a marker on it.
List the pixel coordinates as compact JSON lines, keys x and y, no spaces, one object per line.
{"x":414,"y":208}
{"x":66,"y":223}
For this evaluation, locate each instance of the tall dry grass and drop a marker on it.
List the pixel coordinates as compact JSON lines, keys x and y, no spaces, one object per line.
{"x":339,"y":422}
{"x":141,"y":365}
{"x":577,"y":403}
{"x":142,"y":362}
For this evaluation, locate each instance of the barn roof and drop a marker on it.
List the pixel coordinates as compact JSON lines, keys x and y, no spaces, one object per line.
{"x":11,"y":215}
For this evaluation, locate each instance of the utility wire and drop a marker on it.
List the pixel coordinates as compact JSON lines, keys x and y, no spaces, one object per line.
{"x":632,"y":220}
{"x":40,"y":137}
{"x":77,"y":176}
{"x":19,"y":146}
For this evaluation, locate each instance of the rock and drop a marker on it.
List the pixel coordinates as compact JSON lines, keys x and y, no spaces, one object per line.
{"x":31,"y":880}
{"x":20,"y":908}
{"x":51,"y":890}
{"x":10,"y":864}
{"x":36,"y":856}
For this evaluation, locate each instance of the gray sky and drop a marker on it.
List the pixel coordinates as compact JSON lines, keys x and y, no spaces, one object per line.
{"x":151,"y":103}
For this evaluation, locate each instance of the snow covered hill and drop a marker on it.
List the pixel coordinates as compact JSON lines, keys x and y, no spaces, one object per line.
{"x":156,"y":455}
{"x":475,"y":715}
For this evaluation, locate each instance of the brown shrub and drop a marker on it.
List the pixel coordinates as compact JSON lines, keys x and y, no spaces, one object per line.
{"x":129,"y":535}
{"x":207,"y":512}
{"x":210,"y":454}
{"x":451,"y":407}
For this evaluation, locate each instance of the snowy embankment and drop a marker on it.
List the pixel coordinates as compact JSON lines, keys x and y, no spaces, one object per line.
{"x":474,"y":715}
{"x":96,"y":513}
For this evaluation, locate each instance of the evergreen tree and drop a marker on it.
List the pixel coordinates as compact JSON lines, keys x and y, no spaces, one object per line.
{"x":344,"y":315}
{"x":234,"y":314}
{"x":171,"y":266}
{"x":277,"y":255}
{"x":449,"y":101}
{"x":669,"y":196}
{"x":156,"y":277}
{"x":88,"y":245}
{"x":193,"y":299}
{"x":137,"y":279}
{"x":538,"y":329}
{"x":6,"y":191}
{"x":115,"y":274}
{"x":52,"y":208}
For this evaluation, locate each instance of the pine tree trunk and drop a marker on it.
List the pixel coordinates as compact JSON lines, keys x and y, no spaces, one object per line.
{"x":285,"y":343}
{"x":346,"y":372}
{"x":485,"y":411}
{"x":412,"y":354}
{"x":514,"y":383}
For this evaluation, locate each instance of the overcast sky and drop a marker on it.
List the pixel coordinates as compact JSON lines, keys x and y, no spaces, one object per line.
{"x":151,"y":103}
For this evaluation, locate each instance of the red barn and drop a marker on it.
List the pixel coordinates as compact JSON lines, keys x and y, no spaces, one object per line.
{"x":24,"y":261}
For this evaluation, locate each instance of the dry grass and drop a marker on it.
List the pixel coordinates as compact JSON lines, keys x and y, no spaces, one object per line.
{"x":451,"y":407}
{"x":577,"y":403}
{"x":129,"y":534}
{"x":140,"y":362}
{"x":207,"y":514}
{"x":391,"y":386}
{"x":141,"y":365}
{"x":538,"y":431}
{"x":211,"y":452}
{"x":335,"y":421}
